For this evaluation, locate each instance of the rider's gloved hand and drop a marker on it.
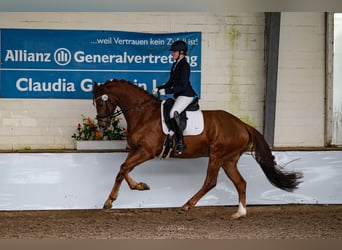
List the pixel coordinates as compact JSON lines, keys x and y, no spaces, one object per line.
{"x":155,"y":91}
{"x":162,"y":92}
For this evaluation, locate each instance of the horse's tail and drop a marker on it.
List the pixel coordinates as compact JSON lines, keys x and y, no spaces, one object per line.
{"x":262,"y":153}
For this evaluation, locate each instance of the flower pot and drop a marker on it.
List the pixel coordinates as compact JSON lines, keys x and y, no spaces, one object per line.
{"x":101,"y":145}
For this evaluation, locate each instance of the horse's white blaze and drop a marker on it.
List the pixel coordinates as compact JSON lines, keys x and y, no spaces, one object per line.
{"x":242,"y":212}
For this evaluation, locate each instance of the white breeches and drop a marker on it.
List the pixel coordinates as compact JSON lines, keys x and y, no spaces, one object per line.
{"x":180,"y":104}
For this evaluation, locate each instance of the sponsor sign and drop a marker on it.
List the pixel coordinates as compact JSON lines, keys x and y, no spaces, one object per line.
{"x":65,"y":63}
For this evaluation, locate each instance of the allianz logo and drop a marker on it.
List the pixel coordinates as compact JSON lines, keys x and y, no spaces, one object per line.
{"x":62,"y":57}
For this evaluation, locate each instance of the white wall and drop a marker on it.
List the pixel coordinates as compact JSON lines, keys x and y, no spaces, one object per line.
{"x":232,"y":73}
{"x":301,"y":81}
{"x":337,"y":81}
{"x":232,"y":70}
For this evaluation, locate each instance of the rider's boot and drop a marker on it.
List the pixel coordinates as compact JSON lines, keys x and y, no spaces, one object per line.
{"x":180,"y":146}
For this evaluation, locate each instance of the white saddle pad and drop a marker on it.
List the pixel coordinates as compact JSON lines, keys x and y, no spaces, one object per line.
{"x":194,"y":124}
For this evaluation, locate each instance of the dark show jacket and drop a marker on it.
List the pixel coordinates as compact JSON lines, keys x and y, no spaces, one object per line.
{"x":179,"y":83}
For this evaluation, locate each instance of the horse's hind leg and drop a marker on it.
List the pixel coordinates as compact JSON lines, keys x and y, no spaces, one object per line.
{"x":209,"y":183}
{"x":231,"y":170}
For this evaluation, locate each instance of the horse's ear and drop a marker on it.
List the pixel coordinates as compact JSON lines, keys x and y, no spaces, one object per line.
{"x":95,"y":85}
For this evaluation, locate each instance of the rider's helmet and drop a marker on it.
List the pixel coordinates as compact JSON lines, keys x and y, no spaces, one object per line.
{"x":179,"y":46}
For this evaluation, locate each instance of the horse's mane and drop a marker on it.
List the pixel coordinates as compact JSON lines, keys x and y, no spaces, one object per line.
{"x":130,"y":85}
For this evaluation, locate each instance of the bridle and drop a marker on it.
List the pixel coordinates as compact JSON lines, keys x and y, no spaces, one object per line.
{"x":106,"y":100}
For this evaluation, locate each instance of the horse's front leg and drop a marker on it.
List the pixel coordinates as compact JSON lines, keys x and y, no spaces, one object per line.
{"x":133,"y":159}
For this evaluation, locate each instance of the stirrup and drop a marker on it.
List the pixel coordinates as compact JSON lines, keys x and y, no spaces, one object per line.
{"x":180,"y":147}
{"x":167,"y":148}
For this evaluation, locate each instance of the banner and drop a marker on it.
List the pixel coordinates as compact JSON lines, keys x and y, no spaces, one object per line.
{"x":65,"y":63}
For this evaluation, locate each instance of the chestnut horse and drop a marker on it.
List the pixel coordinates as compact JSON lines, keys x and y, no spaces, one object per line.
{"x":224,"y":139}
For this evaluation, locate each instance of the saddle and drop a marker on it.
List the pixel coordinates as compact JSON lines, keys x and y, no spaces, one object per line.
{"x":167,"y":106}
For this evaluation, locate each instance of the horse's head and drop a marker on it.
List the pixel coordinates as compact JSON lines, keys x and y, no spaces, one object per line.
{"x":105,"y":106}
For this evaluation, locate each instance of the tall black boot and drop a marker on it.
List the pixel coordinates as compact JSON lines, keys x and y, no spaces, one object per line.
{"x":180,"y":146}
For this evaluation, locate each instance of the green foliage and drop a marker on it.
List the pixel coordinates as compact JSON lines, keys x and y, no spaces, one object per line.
{"x":89,"y":130}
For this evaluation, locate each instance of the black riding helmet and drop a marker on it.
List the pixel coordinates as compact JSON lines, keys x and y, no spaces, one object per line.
{"x":179,"y":46}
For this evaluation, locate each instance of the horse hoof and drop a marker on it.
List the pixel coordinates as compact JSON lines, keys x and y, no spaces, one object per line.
{"x":185,"y":208}
{"x":237,"y":215}
{"x":242,"y":212}
{"x":143,"y":186}
{"x":107,"y":206}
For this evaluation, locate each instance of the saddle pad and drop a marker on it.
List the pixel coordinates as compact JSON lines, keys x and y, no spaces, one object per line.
{"x":194,"y":124}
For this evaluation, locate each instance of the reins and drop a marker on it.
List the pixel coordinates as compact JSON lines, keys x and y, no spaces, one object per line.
{"x":106,"y":99}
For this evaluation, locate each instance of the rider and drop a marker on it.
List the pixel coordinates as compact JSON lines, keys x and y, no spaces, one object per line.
{"x":179,"y":85}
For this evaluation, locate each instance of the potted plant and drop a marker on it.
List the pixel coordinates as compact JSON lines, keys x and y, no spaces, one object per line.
{"x":88,"y":135}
